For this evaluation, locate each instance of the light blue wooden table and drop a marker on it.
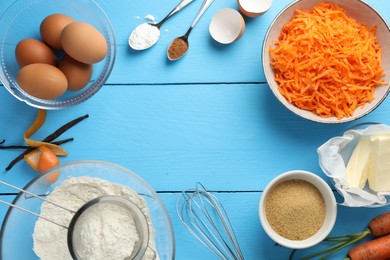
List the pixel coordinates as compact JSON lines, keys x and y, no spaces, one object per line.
{"x":209,"y":117}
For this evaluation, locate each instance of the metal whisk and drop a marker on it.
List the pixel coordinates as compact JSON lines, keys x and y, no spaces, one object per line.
{"x":205,"y":218}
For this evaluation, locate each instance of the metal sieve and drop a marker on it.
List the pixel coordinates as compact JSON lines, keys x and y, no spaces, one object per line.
{"x":80,"y":218}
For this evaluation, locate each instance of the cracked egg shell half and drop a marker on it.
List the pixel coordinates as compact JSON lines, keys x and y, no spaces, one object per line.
{"x":254,"y":8}
{"x":227,"y":26}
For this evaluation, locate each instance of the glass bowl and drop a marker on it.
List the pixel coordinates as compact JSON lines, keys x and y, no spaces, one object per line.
{"x":22,"y":20}
{"x":362,"y":13}
{"x":16,"y":241}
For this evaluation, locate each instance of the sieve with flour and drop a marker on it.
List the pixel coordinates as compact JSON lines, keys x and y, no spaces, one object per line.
{"x":75,"y":230}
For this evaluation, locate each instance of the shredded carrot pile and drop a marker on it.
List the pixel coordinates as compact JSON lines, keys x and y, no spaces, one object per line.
{"x":327,"y":63}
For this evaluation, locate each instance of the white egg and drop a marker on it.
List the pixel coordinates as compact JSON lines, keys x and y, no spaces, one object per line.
{"x":227,"y":26}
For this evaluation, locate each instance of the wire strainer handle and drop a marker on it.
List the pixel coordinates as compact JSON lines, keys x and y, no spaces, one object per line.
{"x":31,"y":212}
{"x":37,"y":197}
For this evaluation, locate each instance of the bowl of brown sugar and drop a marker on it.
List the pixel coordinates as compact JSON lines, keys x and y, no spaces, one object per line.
{"x":297,"y":209}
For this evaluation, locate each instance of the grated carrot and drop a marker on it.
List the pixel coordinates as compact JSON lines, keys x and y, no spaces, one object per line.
{"x":327,"y":63}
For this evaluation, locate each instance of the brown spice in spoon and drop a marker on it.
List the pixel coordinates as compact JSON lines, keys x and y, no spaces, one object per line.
{"x":177,"y":49}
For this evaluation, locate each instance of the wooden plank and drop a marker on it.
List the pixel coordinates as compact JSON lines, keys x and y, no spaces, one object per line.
{"x":198,"y":119}
{"x":207,"y":61}
{"x":234,"y":137}
{"x":243,"y":213}
{"x":255,"y":244}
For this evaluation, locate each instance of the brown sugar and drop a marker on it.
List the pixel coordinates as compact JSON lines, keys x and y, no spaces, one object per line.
{"x":295,"y":209}
{"x":177,"y":48}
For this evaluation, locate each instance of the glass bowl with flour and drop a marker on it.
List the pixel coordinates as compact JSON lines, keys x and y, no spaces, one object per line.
{"x":23,"y":236}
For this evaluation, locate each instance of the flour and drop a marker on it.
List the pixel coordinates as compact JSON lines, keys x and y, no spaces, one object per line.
{"x":50,"y":240}
{"x":150,"y":17}
{"x":105,"y":230}
{"x":144,"y":36}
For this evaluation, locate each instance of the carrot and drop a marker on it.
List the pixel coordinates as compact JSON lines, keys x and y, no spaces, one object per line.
{"x":377,"y":249}
{"x":326,"y":62}
{"x":378,"y":226}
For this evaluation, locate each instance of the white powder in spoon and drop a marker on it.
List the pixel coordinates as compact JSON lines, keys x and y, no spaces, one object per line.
{"x":144,"y":36}
{"x":50,"y":240}
{"x":150,"y":17}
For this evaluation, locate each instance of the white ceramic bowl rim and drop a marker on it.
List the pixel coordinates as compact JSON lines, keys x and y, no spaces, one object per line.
{"x":330,"y":202}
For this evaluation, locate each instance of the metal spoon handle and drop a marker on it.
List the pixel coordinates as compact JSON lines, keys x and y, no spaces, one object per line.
{"x":180,"y":6}
{"x":203,"y":9}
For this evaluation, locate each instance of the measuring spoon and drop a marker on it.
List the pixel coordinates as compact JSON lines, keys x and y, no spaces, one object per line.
{"x":146,"y":35}
{"x":175,"y":53}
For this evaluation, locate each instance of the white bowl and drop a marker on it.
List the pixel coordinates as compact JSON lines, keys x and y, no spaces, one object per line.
{"x":362,"y":13}
{"x":330,"y":203}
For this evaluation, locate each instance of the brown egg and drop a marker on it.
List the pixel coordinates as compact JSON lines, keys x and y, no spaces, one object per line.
{"x":84,"y":43}
{"x":42,"y":81}
{"x":51,"y":29}
{"x":30,"y":51}
{"x":78,"y":74}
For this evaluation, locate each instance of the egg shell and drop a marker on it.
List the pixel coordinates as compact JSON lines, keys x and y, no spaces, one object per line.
{"x":51,"y":29}
{"x":42,"y":81}
{"x":254,"y":8}
{"x":78,"y":74}
{"x":84,"y":43}
{"x":30,"y":51}
{"x":227,"y":26}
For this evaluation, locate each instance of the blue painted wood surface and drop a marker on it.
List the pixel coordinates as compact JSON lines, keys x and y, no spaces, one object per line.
{"x":209,"y":117}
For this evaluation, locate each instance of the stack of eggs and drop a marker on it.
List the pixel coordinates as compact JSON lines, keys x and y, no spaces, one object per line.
{"x":62,"y":61}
